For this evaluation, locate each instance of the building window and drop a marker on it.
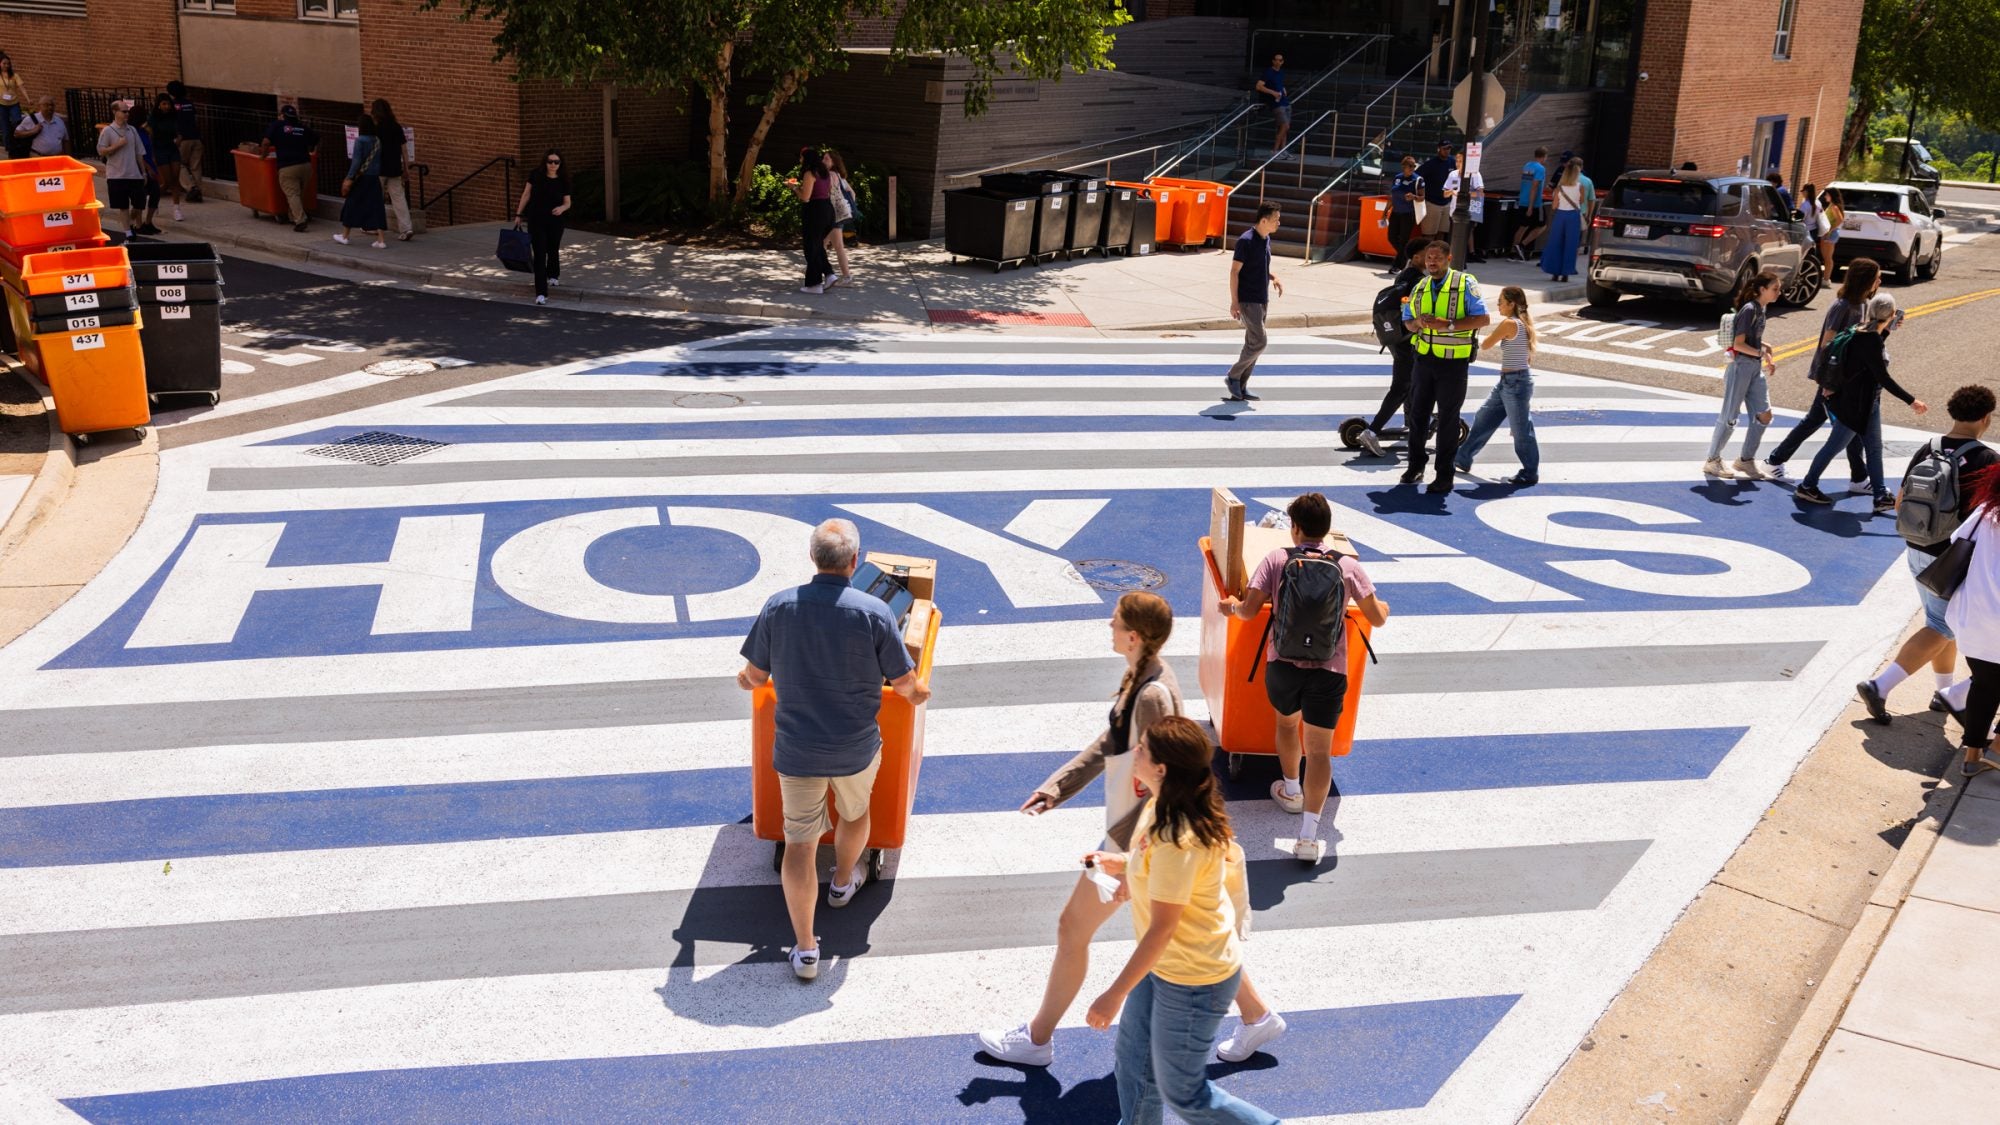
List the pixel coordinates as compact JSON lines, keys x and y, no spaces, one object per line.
{"x":329,"y":9}
{"x":1781,"y":46}
{"x":43,"y":7}
{"x":224,"y":6}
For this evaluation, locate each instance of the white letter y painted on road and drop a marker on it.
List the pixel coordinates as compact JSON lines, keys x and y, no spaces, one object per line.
{"x":1028,"y":577}
{"x":428,"y":580}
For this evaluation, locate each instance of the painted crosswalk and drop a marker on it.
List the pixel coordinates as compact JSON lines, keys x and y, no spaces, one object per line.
{"x":394,"y":771}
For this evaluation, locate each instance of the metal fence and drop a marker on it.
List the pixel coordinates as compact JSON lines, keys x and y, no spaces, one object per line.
{"x":222,"y":129}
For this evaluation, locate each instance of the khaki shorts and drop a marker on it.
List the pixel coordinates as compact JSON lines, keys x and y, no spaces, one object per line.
{"x":804,"y":801}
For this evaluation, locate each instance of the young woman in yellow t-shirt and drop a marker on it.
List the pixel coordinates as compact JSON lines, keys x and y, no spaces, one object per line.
{"x":1184,"y":874}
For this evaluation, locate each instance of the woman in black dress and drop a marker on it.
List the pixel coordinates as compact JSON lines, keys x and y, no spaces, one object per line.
{"x":363,"y":188}
{"x":544,"y":202}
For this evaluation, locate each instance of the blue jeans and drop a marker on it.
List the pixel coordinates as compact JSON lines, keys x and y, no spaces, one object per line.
{"x":1165,"y":1035}
{"x":1842,"y":437}
{"x":1743,"y":388}
{"x":1509,"y":400}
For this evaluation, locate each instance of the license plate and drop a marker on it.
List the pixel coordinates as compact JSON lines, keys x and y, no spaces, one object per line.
{"x":1851,"y":224}
{"x":1638,"y":230}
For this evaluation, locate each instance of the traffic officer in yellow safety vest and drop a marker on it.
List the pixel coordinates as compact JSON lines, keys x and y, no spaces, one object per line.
{"x":1444,"y":315}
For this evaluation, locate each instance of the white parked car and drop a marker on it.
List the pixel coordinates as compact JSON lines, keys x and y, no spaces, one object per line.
{"x":1892,"y":224}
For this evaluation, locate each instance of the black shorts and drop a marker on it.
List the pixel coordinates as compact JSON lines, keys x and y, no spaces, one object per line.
{"x":126,"y":194}
{"x":1321,"y":694}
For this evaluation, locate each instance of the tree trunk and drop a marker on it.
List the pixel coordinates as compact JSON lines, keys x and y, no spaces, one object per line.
{"x":1856,"y":133}
{"x":718,"y":127}
{"x":780,"y":94}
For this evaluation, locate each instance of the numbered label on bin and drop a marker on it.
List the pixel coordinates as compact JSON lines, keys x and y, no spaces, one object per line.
{"x":173,"y":271}
{"x":170,"y":294}
{"x":79,"y":281}
{"x":74,"y":301}
{"x":57,"y":219}
{"x":86,"y":341}
{"x":49,"y":183}
{"x":83,"y":323}
{"x":173,"y":312}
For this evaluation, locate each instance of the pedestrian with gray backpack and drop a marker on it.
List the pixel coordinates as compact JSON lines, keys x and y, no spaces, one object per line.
{"x":1932,"y":504}
{"x":1852,"y":379}
{"x":1305,"y":657}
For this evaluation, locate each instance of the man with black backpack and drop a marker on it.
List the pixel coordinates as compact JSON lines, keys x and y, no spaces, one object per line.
{"x":1305,"y":656}
{"x":1932,"y":503}
{"x":1395,"y":337}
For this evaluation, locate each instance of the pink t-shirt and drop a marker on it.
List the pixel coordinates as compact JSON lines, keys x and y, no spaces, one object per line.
{"x":1271,"y":571}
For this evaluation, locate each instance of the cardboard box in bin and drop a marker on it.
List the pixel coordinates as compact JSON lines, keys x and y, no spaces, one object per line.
{"x":1227,"y":528}
{"x":920,"y":575}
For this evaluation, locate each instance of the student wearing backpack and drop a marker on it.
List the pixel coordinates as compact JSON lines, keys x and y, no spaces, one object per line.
{"x":1393,"y":333}
{"x":1308,"y":588}
{"x":1148,"y":694}
{"x":1863,"y":278}
{"x":1853,"y":390}
{"x":1934,"y":502}
{"x":1746,"y":384}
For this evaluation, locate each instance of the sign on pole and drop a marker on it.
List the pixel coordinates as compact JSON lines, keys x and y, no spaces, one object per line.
{"x":1491,"y":112}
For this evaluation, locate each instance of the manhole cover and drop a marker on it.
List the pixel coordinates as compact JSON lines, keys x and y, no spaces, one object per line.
{"x":377,"y":447}
{"x":708,"y":400}
{"x":1117,"y":575}
{"x":401,"y":367}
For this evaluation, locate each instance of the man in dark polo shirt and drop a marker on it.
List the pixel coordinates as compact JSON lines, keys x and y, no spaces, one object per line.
{"x":1250,"y":284}
{"x":830,"y":647}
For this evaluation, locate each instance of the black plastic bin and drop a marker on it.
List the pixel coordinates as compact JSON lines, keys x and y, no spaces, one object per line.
{"x":1115,"y":236}
{"x":84,"y":301}
{"x":1052,"y":197}
{"x":1086,"y":213}
{"x":990,"y":226}
{"x":170,"y":262}
{"x":83,"y":322}
{"x":1496,"y":233}
{"x":179,"y":292}
{"x":1145,"y":224}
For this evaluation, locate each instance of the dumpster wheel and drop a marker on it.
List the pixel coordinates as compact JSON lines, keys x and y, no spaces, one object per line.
{"x":1235,"y":766}
{"x":874,"y":864}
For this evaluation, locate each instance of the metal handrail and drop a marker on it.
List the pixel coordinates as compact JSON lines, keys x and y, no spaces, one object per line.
{"x":1044,"y":158}
{"x":1359,"y":161}
{"x":1257,"y":173}
{"x":1366,"y":42}
{"x":1428,"y":60}
{"x":450,"y":200}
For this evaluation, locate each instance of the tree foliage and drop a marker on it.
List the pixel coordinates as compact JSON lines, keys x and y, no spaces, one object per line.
{"x":1934,"y":53}
{"x":707,"y":44}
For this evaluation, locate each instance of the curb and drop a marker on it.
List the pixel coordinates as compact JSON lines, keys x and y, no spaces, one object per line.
{"x":52,"y":480}
{"x":1972,"y":185}
{"x":1794,"y":1062}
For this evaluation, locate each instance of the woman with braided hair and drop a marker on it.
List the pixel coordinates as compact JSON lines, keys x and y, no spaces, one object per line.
{"x":1148,"y":693}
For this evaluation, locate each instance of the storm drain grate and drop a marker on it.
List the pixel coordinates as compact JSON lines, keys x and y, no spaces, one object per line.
{"x":1117,"y":575}
{"x":377,"y":447}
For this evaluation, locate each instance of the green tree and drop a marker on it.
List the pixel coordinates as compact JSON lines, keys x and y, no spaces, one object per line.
{"x":706,"y":44}
{"x":1931,"y":53}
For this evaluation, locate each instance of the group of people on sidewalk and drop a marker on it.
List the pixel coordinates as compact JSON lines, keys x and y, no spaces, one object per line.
{"x":829,"y":211}
{"x":1552,"y":207}
{"x":150,"y":153}
{"x":1168,"y":846}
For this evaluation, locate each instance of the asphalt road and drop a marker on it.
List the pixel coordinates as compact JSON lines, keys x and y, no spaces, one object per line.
{"x":1941,"y":346}
{"x":297,"y":346}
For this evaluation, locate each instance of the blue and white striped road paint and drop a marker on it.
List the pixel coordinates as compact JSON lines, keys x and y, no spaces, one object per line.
{"x":420,"y":791}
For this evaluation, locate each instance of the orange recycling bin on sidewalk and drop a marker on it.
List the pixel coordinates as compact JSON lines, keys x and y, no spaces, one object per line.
{"x":45,"y":183}
{"x":1242,"y":714}
{"x":1165,"y":201}
{"x":98,"y":378}
{"x":895,"y":783}
{"x":1210,"y":208}
{"x":1375,"y":227}
{"x":28,"y":231}
{"x":257,"y":183}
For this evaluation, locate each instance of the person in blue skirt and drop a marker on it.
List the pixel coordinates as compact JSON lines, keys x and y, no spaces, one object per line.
{"x":1565,"y":224}
{"x":363,"y":188}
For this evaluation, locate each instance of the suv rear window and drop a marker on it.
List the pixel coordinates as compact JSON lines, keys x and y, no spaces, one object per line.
{"x":1672,"y":197}
{"x":1871,"y":200}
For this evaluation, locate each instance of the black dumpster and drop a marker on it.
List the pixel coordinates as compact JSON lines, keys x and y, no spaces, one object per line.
{"x":1145,"y":224}
{"x":1496,"y":232}
{"x":990,"y":226}
{"x":180,"y":322}
{"x":1052,"y":197}
{"x":1087,"y":209}
{"x":1115,"y":235}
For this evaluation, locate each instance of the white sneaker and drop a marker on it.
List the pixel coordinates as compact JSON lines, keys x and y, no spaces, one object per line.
{"x":340,"y":238}
{"x":1287,"y":802}
{"x":838,"y":897}
{"x":805,"y":966}
{"x":1249,"y":1037}
{"x":178,"y":217}
{"x":1309,"y":851}
{"x":1773,"y":470}
{"x":379,"y":244}
{"x":812,"y":288}
{"x":1017,"y":1046}
{"x":847,"y":279}
{"x":540,"y":300}
{"x":1371,"y":443}
{"x":1713,"y":467}
{"x":1747,"y":468}
{"x":553,"y":282}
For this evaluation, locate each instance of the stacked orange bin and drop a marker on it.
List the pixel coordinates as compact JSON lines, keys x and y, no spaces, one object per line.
{"x":1208,"y":210}
{"x":70,"y":298}
{"x":1166,"y":201}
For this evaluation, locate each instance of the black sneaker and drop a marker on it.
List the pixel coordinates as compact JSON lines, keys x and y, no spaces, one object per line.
{"x":1440,"y":486}
{"x":194,"y":195}
{"x":1885,"y":503}
{"x":300,"y":227}
{"x":1243,"y":392}
{"x":1940,"y":703}
{"x":1523,"y":480}
{"x":1412,"y":475}
{"x":1231,"y":391}
{"x":1878,"y":707}
{"x":1811,"y":495}
{"x":149,"y":229}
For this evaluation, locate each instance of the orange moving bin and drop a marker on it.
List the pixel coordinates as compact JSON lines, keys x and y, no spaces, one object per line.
{"x":1230,"y":647}
{"x":44,"y":272}
{"x":98,"y":378}
{"x":31,"y":230}
{"x":1375,"y":227}
{"x":45,"y":183}
{"x":895,"y":783}
{"x":1215,"y":204}
{"x":1166,"y":200}
{"x":257,"y":184}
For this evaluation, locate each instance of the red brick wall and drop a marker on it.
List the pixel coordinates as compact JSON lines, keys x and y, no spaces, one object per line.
{"x":1712,"y":76}
{"x":119,"y":43}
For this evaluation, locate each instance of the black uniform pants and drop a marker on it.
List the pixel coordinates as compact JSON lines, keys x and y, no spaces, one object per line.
{"x":1437,"y":386}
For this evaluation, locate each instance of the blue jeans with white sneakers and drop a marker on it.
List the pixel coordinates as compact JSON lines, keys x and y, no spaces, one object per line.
{"x":1509,"y":400}
{"x":1744,"y":388}
{"x":1165,"y":1035}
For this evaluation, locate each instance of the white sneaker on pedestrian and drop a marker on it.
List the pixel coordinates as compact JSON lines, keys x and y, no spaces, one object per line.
{"x":1016,"y":1045}
{"x":1291,"y":803}
{"x":805,"y":965}
{"x":1713,"y":467}
{"x":812,"y":288}
{"x":847,"y":279}
{"x":1773,"y":470}
{"x":178,"y":217}
{"x":838,"y":896}
{"x":541,"y":300}
{"x":1747,"y":468}
{"x":340,"y":238}
{"x":1248,"y":1038}
{"x":1371,"y":443}
{"x":553,"y":282}
{"x":379,"y":244}
{"x":1309,"y":851}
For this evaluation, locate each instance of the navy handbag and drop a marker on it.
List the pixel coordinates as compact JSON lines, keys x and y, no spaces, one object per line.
{"x":515,"y":250}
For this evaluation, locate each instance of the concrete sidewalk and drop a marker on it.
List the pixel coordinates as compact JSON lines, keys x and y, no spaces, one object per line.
{"x":906,"y":284}
{"x":1920,"y":1037}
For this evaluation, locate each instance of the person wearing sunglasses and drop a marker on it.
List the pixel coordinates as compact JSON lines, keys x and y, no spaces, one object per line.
{"x":544,"y":202}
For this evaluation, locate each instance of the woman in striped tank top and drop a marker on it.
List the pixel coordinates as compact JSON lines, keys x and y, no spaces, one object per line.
{"x":1515,"y":337}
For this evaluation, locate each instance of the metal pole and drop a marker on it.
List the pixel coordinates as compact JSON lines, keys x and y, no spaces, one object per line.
{"x":1479,"y":56}
{"x":611,"y":184}
{"x":892,"y":208}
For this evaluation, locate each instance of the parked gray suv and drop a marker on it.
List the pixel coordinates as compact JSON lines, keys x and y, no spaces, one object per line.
{"x":1690,"y":235}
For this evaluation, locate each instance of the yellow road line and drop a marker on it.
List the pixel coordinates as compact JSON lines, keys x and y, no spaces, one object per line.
{"x":1804,"y":346}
